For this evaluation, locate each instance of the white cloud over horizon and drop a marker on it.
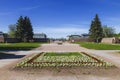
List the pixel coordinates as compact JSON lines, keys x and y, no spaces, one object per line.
{"x":55,"y":33}
{"x":60,"y":32}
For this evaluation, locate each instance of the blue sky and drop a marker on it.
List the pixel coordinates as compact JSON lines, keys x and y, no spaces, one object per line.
{"x":59,"y":18}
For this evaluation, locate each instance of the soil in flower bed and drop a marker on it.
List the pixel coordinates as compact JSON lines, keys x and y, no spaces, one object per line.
{"x":69,"y":59}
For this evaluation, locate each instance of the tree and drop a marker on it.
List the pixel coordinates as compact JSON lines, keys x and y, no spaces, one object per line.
{"x":108,"y":31}
{"x":20,"y":28}
{"x":24,"y":29}
{"x":12,"y":31}
{"x":28,"y":29}
{"x":117,"y":35}
{"x":96,"y":31}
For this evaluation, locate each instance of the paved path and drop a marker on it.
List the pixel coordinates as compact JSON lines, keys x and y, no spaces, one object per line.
{"x":67,"y":47}
{"x":5,"y":62}
{"x":110,"y":56}
{"x":54,"y":47}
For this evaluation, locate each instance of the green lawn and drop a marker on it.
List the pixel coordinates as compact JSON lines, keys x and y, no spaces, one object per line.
{"x":63,"y":54}
{"x":18,"y":46}
{"x":99,"y":46}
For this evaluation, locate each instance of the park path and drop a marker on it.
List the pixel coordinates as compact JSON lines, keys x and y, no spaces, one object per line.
{"x":67,"y":47}
{"x":110,"y":55}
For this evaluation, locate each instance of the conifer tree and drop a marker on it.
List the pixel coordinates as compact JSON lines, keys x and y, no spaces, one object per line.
{"x":28,"y":29}
{"x":20,"y":28}
{"x":96,"y":31}
{"x":24,"y":30}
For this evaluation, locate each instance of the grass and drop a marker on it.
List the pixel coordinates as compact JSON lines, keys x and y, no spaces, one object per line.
{"x":99,"y":46}
{"x":18,"y":46}
{"x":63,"y":54}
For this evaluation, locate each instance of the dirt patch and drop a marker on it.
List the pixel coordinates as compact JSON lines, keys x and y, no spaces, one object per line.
{"x":60,"y":74}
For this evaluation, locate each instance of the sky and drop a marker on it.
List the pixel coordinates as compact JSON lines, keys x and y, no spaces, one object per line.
{"x":60,"y":18}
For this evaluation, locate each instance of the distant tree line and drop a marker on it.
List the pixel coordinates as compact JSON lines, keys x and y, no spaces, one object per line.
{"x":22,"y":29}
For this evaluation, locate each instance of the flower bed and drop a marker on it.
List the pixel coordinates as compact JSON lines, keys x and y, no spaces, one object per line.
{"x":72,"y":59}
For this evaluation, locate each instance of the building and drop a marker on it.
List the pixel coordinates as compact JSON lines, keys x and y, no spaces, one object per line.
{"x":79,"y":38}
{"x":5,"y":38}
{"x":1,"y":37}
{"x":36,"y":38}
{"x":40,"y":38}
{"x":74,"y":38}
{"x":110,"y":40}
{"x":85,"y":35}
{"x":42,"y":35}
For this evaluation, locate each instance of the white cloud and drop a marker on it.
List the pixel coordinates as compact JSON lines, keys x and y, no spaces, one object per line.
{"x":114,"y":19}
{"x":113,"y":22}
{"x":114,"y":3}
{"x":5,"y":13}
{"x":64,"y":31}
{"x":29,"y":8}
{"x":18,"y":10}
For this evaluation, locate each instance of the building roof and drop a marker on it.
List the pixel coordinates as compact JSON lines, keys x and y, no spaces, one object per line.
{"x":39,"y":35}
{"x":85,"y":34}
{"x":74,"y":35}
{"x":1,"y":32}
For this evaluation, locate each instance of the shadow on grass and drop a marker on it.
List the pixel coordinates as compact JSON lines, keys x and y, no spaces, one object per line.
{"x":12,"y":50}
{"x":10,"y":56}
